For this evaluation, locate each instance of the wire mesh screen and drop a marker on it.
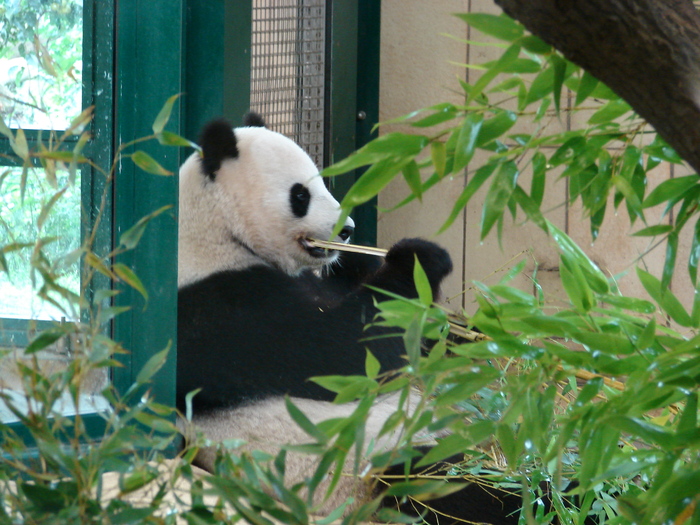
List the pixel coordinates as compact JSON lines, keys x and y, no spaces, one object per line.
{"x":287,"y":69}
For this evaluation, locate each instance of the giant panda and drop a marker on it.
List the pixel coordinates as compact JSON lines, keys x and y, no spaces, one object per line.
{"x":260,"y":311}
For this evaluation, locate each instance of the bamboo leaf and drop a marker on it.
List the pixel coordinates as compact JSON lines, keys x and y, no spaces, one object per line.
{"x":394,"y":145}
{"x":373,"y":181}
{"x":46,"y":208}
{"x":304,"y":422}
{"x":653,"y":231}
{"x":539,"y":177}
{"x":495,"y":127}
{"x":425,"y":293}
{"x":670,"y":190}
{"x":148,"y":164}
{"x":609,"y":112}
{"x":46,"y":339}
{"x":167,"y":138}
{"x":498,"y":195}
{"x":438,"y":154}
{"x":130,"y":238}
{"x":668,"y":302}
{"x":530,"y":208}
{"x":694,"y":255}
{"x":466,"y":140}
{"x":559,"y":66}
{"x":154,"y":363}
{"x":372,"y":365}
{"x":586,"y":86}
{"x":19,"y":145}
{"x":502,"y":27}
{"x":475,"y":182}
{"x":127,"y":275}
{"x":670,"y":261}
{"x":594,"y":276}
{"x":411,"y":175}
{"x":164,"y":114}
{"x":508,"y":56}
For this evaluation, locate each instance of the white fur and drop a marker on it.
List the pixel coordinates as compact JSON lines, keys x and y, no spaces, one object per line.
{"x":249,"y":199}
{"x":266,"y":425}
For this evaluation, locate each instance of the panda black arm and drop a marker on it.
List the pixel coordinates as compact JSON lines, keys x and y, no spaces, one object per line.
{"x":255,"y":333}
{"x":245,"y":335}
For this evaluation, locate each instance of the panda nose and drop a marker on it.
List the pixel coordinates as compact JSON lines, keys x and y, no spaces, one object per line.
{"x":346,"y":232}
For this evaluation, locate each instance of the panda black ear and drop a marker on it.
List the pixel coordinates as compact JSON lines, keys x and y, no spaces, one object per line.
{"x":218,"y":142}
{"x":253,"y":119}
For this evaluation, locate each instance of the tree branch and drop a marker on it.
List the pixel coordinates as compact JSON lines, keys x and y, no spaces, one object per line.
{"x":647,"y":51}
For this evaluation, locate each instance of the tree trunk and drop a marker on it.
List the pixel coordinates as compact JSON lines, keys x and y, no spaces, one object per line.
{"x":647,"y":51}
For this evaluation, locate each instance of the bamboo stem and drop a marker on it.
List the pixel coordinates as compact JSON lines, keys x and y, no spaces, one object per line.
{"x":343,"y":247}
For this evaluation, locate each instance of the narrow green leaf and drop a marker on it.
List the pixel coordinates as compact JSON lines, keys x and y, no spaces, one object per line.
{"x":443,"y":114}
{"x":45,"y":339}
{"x":575,"y":283}
{"x":539,"y":177}
{"x":445,"y":448}
{"x":586,"y":86}
{"x":164,"y":114}
{"x":530,"y":208}
{"x":79,"y":123}
{"x":498,"y":195}
{"x":594,"y":276}
{"x":502,"y":26}
{"x":653,"y":231}
{"x":167,"y":138}
{"x":130,"y":238}
{"x":394,"y":145}
{"x":136,"y":480}
{"x":670,"y":261}
{"x":19,"y":145}
{"x":438,"y":154}
{"x":62,"y":156}
{"x":466,"y":141}
{"x":609,"y":112}
{"x":508,"y":56}
{"x":373,"y":181}
{"x":475,"y":182}
{"x":148,"y":164}
{"x":304,"y":422}
{"x":559,"y":66}
{"x":670,"y":190}
{"x":425,"y":293}
{"x":127,"y":275}
{"x":668,"y":302}
{"x":372,"y":365}
{"x":154,"y":363}
{"x":629,"y":303}
{"x":541,"y":86}
{"x":495,"y":127}
{"x":694,"y":255}
{"x":46,"y":208}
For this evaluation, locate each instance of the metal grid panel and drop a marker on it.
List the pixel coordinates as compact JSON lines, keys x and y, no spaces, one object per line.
{"x":287,"y":69}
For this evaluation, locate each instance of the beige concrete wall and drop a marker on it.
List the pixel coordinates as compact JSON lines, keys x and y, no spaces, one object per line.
{"x":418,"y":69}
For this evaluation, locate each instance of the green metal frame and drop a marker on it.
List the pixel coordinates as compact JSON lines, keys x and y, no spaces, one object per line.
{"x":353,"y":47}
{"x":149,"y":58}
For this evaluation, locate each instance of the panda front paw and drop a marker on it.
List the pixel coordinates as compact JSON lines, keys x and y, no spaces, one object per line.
{"x":434,"y":259}
{"x":397,"y":273}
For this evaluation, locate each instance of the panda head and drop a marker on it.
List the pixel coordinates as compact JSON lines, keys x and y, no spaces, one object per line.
{"x":252,"y":197}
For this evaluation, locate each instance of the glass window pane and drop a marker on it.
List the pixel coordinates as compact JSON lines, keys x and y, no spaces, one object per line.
{"x":41,"y":47}
{"x":23,"y":219}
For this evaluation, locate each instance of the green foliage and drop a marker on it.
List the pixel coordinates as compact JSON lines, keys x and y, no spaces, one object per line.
{"x":542,"y":382}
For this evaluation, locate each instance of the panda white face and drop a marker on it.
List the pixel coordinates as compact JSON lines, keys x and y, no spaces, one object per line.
{"x":254,"y":198}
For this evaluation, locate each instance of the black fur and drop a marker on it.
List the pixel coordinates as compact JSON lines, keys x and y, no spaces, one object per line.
{"x":246,"y":335}
{"x":253,"y":119}
{"x":299,"y":200}
{"x":218,"y":142}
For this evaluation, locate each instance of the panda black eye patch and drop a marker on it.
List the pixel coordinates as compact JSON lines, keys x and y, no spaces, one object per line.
{"x":299,"y":199}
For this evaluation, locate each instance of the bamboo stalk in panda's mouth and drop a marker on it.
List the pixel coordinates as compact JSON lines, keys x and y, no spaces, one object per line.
{"x":343,"y":247}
